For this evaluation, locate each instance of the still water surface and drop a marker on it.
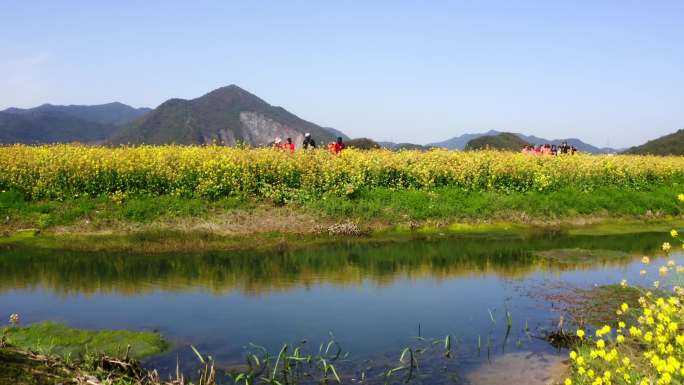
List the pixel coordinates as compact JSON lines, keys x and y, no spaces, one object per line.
{"x":373,"y":298}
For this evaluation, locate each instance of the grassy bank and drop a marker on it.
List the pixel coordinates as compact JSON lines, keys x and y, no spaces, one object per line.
{"x":213,"y":190}
{"x":454,"y":204}
{"x":165,"y":223}
{"x":377,"y":208}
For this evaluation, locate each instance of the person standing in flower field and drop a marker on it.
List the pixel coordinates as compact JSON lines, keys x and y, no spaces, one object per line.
{"x":564,"y":148}
{"x":289,"y":146}
{"x":338,"y":146}
{"x":308,"y":141}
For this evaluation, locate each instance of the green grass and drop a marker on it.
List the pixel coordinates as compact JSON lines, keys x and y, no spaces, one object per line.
{"x":626,"y":226}
{"x":104,"y":210}
{"x":57,"y":339}
{"x":454,"y":204}
{"x":396,"y":207}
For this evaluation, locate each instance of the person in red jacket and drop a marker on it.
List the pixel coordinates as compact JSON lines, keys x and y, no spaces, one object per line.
{"x":339,"y":146}
{"x":289,"y":145}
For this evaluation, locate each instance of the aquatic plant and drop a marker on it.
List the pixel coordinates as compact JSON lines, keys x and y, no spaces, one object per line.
{"x":292,"y":365}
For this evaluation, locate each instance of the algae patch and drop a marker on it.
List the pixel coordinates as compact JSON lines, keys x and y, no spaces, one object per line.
{"x":57,"y":339}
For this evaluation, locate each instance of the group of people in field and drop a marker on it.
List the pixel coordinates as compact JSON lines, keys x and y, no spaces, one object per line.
{"x":287,"y":145}
{"x":550,"y":149}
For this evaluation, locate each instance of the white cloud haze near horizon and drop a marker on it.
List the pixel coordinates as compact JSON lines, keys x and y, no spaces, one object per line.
{"x":609,"y":72}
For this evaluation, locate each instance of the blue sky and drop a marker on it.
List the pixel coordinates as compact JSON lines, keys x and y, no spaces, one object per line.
{"x":609,"y":72}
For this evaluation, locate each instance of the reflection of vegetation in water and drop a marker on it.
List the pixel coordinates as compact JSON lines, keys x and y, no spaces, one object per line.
{"x":340,"y":264}
{"x":57,"y":339}
{"x":578,"y":256}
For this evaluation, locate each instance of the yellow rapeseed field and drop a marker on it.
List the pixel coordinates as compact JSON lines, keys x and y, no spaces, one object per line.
{"x":59,"y":171}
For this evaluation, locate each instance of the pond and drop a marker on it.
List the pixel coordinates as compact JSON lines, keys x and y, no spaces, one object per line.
{"x":375,"y":299}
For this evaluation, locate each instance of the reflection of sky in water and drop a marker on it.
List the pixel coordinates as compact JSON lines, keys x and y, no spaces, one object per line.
{"x":520,"y":367}
{"x":369,"y":320}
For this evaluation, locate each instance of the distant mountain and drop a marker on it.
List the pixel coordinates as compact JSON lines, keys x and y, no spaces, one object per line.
{"x":580,"y":145}
{"x":362,"y":144}
{"x":388,"y":145}
{"x":502,"y":141}
{"x":111,"y":113}
{"x":337,"y":133}
{"x":404,"y":146}
{"x":74,"y":123}
{"x":227,"y":115}
{"x":672,"y":144}
{"x":459,"y":142}
{"x":411,"y":146}
{"x":49,"y":127}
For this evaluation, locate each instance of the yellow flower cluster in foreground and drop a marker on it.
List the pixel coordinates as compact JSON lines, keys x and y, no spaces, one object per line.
{"x":647,"y":345}
{"x":648,"y":352}
{"x":58,"y":171}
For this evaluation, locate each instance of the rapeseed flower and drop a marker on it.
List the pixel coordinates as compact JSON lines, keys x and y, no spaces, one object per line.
{"x":60,"y":171}
{"x":648,"y":344}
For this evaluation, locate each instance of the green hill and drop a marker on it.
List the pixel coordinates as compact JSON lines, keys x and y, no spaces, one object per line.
{"x":227,"y":115}
{"x":362,"y":144}
{"x":459,"y":142}
{"x":502,"y":141}
{"x":52,"y":124}
{"x":672,"y":144}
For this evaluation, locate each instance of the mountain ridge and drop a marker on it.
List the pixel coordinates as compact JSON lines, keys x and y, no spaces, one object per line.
{"x":115,"y":113}
{"x":670,"y":144}
{"x":228,"y":115}
{"x":49,"y":123}
{"x":505,"y":141}
{"x":459,"y":142}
